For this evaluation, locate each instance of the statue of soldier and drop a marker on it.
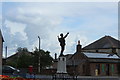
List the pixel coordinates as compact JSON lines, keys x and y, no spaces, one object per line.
{"x":62,"y":42}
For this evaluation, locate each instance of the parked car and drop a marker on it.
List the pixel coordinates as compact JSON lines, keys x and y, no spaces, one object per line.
{"x":9,"y":69}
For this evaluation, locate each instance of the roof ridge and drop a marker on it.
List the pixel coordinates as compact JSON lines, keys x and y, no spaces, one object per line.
{"x":97,"y":40}
{"x":110,"y":40}
{"x":104,"y":42}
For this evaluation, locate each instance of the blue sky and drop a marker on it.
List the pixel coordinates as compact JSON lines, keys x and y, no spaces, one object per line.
{"x":86,"y":21}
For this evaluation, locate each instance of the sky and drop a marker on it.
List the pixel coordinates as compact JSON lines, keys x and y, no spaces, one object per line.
{"x":23,"y":22}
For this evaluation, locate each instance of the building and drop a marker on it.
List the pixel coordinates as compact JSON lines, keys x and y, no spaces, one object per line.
{"x":100,"y":58}
{"x":12,"y":57}
{"x":106,"y":44}
{"x":17,"y":55}
{"x":93,"y":64}
{"x":1,"y":50}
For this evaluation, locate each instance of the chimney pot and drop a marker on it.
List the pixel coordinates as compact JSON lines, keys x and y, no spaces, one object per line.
{"x":79,"y":47}
{"x":79,"y":42}
{"x":55,"y":56}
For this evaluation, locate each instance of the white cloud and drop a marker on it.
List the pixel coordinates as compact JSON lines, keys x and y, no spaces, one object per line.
{"x":16,"y":27}
{"x":48,"y":20}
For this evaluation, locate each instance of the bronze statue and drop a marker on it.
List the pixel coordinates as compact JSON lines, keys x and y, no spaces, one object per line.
{"x":62,"y":42}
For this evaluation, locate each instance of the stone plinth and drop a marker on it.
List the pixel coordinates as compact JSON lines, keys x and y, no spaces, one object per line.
{"x":61,"y":65}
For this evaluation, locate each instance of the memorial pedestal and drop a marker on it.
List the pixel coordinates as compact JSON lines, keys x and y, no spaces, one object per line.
{"x":61,"y":70}
{"x":61,"y":65}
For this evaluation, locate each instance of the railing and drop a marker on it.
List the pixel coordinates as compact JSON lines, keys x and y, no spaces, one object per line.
{"x":87,"y":78}
{"x":99,"y":78}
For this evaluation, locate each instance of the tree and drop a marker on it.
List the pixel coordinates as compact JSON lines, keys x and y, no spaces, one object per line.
{"x":45,"y":58}
{"x":24,"y":61}
{"x":23,"y":58}
{"x":19,"y":50}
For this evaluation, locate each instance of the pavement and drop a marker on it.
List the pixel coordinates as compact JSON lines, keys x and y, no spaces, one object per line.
{"x":49,"y":77}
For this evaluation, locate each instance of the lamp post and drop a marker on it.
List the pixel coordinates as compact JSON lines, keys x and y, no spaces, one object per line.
{"x":39,"y":56}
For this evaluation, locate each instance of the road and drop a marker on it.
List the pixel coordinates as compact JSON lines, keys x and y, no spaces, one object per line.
{"x":49,"y":77}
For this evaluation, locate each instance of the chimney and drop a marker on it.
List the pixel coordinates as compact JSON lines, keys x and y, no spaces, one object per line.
{"x":79,"y":47}
{"x":55,"y":56}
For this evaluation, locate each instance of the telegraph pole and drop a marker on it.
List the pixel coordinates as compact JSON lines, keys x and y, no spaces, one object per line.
{"x":39,"y":56}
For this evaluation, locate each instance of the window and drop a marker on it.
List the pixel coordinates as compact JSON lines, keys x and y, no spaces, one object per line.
{"x":103,"y":67}
{"x":98,"y":68}
{"x":112,"y":66}
{"x":107,"y":69}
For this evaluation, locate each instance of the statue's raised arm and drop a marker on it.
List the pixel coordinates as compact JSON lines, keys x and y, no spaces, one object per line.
{"x":66,"y":35}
